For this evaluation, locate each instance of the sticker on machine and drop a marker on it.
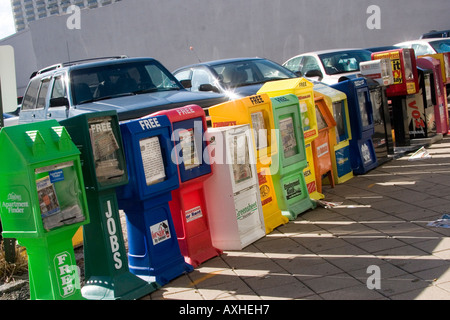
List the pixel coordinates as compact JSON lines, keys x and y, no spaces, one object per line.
{"x":194,"y":214}
{"x":245,"y":210}
{"x":293,"y":189}
{"x":322,"y":150}
{"x":160,"y":232}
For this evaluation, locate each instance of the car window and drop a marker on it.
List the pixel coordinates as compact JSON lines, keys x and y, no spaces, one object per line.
{"x":344,"y":61}
{"x":293,"y":64}
{"x":201,"y":76}
{"x":269,"y":72}
{"x":421,"y":49}
{"x":248,"y":72}
{"x":185,"y":77}
{"x":236,"y":74}
{"x":42,"y":93}
{"x":30,"y":97}
{"x":441,"y":45}
{"x":159,"y":77}
{"x":109,"y":81}
{"x":309,"y":63}
{"x":232,"y":75}
{"x":59,"y":88}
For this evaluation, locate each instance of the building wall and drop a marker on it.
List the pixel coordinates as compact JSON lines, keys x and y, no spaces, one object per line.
{"x":274,"y":29}
{"x":26,"y":11}
{"x":25,"y":58}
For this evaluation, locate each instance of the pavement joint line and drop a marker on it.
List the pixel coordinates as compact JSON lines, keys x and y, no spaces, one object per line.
{"x":416,"y":165}
{"x":206,"y":277}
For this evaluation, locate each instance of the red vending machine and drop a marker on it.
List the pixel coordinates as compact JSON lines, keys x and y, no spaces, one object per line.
{"x":188,"y":204}
{"x":405,"y":83}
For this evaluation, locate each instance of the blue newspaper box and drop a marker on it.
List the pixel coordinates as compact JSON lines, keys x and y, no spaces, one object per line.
{"x":362,"y":151}
{"x":153,"y":250}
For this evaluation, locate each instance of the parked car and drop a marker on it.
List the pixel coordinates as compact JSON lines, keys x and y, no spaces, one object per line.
{"x":235,"y":78}
{"x":382,"y":48}
{"x":134,"y":87}
{"x":328,"y":66}
{"x":436,"y":34}
{"x":427,"y":46}
{"x":10,"y":119}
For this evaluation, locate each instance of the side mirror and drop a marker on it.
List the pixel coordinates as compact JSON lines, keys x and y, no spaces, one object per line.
{"x":59,"y":102}
{"x":186,"y":83}
{"x":314,"y":73}
{"x":208,"y":87}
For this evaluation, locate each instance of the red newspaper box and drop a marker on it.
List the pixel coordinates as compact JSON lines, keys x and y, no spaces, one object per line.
{"x":404,"y":71}
{"x":188,"y":204}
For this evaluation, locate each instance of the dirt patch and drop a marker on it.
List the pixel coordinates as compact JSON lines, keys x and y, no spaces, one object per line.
{"x":14,"y":282}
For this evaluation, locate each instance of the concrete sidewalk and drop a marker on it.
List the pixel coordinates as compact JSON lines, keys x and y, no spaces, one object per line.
{"x":327,"y":253}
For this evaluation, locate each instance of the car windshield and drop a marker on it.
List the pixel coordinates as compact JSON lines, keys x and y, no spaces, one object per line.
{"x":244,"y":73}
{"x":441,"y":45}
{"x":343,"y":61}
{"x":120,"y":79}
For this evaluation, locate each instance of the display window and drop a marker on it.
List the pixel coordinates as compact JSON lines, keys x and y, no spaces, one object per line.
{"x":152,"y":160}
{"x":60,"y":195}
{"x":106,"y":151}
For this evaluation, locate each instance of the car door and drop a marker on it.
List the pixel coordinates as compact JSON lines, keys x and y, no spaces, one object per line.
{"x":58,"y":90}
{"x":35,"y":101}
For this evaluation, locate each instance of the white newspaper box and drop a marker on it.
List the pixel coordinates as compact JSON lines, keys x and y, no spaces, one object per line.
{"x":232,"y":192}
{"x":379,"y":70}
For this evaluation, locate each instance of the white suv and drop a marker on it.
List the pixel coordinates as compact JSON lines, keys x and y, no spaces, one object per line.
{"x":328,"y":66}
{"x":427,"y":46}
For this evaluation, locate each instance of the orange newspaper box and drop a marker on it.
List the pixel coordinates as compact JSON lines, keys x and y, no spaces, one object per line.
{"x":322,"y":146}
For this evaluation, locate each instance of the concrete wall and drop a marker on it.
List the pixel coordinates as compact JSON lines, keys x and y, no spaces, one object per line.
{"x":25,"y":58}
{"x":274,"y":29}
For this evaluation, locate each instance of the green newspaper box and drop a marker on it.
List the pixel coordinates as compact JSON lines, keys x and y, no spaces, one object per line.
{"x":43,"y":203}
{"x":98,"y":137}
{"x":288,"y":164}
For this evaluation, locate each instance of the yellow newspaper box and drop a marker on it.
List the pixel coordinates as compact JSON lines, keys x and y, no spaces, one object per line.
{"x":303,"y":89}
{"x":256,"y":110}
{"x":337,"y":103}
